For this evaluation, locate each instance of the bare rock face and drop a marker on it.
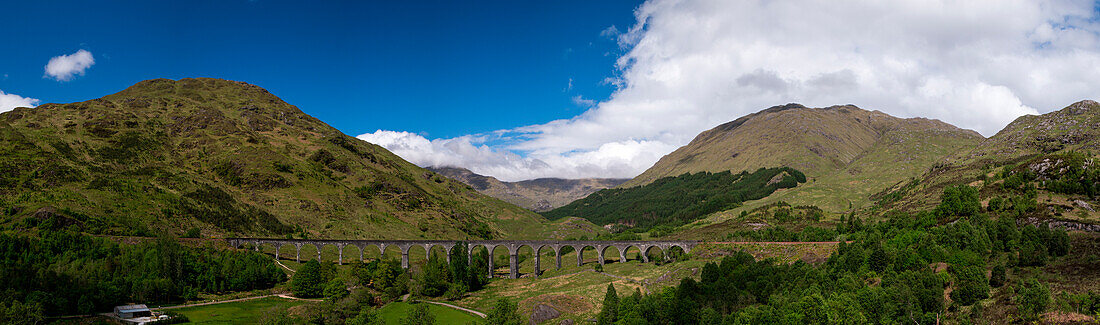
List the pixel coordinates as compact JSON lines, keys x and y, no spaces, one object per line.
{"x":1083,"y":205}
{"x":543,"y":312}
{"x":566,"y":322}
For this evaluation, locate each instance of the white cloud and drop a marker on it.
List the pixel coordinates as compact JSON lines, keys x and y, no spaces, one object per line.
{"x":583,"y":102}
{"x":620,"y":159}
{"x":691,"y":65}
{"x":610,"y":32}
{"x":65,"y":67}
{"x":11,"y":101}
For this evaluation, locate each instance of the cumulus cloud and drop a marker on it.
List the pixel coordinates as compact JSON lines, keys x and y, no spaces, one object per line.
{"x":65,"y":67}
{"x":11,"y":101}
{"x":691,"y":65}
{"x":619,"y":159}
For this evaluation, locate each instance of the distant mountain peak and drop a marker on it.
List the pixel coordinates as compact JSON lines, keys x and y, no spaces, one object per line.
{"x":540,"y":194}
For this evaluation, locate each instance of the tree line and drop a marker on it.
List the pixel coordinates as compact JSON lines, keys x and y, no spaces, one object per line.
{"x":894,"y":271}
{"x":62,"y":272}
{"x":675,"y":201}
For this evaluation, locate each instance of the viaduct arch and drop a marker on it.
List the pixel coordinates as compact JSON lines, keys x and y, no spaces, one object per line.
{"x":513,"y":246}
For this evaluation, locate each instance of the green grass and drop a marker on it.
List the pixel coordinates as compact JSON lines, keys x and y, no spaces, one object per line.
{"x":393,"y":313}
{"x":242,"y":312}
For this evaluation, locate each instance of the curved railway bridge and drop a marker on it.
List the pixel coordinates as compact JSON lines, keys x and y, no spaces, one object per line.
{"x":513,"y":246}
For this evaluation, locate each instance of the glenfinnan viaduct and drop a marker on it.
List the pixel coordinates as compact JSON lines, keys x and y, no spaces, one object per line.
{"x":513,"y":246}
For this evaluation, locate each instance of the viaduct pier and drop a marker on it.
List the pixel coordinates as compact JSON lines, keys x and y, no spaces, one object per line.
{"x":513,"y":247}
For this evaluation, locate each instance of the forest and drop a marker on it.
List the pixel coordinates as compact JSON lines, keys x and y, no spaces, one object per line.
{"x":899,"y":270}
{"x":674,"y":201}
{"x":53,"y":272}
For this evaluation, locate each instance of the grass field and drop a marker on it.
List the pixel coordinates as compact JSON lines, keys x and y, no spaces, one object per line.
{"x":392,"y":313}
{"x":243,"y":312}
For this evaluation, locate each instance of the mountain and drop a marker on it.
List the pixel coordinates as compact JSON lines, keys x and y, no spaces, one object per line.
{"x":542,"y":194}
{"x":848,"y":153}
{"x":1044,"y":148}
{"x":229,"y":158}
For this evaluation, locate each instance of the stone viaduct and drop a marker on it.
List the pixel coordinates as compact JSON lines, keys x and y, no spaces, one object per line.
{"x":513,"y":246}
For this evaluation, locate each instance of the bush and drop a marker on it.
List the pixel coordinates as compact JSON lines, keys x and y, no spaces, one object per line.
{"x":970,"y":286}
{"x":504,"y":313}
{"x":309,"y":281}
{"x":960,"y":200}
{"x":1032,"y":299}
{"x":998,"y":277}
{"x":335,"y":290}
{"x":419,"y":315}
{"x":194,"y":232}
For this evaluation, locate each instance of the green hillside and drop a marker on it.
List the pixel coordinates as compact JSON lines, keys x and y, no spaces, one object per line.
{"x":848,"y":154}
{"x":228,"y":158}
{"x":1054,"y":153}
{"x":677,"y":200}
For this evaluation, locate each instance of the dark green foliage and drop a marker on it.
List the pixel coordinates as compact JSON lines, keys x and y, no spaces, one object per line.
{"x":970,"y":285}
{"x":386,"y":276}
{"x":18,"y":313}
{"x":459,"y":269}
{"x":504,"y":313}
{"x":128,"y":148}
{"x":741,"y":290}
{"x":476,"y":273}
{"x":961,"y":200}
{"x":419,"y":315}
{"x":335,"y":289}
{"x":214,"y":206}
{"x":309,"y":281}
{"x":69,"y":273}
{"x":1075,"y":175}
{"x":194,"y":232}
{"x":998,"y":276}
{"x":1032,"y":298}
{"x":609,"y":313}
{"x":436,"y":277}
{"x":678,"y":200}
{"x":780,"y":233}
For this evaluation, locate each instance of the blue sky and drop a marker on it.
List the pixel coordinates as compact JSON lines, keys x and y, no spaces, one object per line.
{"x":486,"y":85}
{"x":438,"y":68}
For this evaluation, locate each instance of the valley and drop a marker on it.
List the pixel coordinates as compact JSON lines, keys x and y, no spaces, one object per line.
{"x":174,"y":192}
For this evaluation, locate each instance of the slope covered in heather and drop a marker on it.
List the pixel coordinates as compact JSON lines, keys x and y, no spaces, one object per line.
{"x":1044,"y":152}
{"x":228,"y":158}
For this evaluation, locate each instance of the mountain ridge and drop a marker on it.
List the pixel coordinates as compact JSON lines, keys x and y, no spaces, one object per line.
{"x":540,"y":194}
{"x":229,"y":158}
{"x":841,"y":148}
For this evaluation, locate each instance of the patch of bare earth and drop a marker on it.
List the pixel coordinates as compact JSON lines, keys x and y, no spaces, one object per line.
{"x":1061,"y":317}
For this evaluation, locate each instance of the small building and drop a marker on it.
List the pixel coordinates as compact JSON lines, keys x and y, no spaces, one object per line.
{"x":132,"y":311}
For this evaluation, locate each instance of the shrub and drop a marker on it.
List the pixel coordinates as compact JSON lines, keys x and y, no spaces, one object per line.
{"x":504,"y":313}
{"x":1032,"y":299}
{"x":308,"y":281}
{"x":419,"y":315}
{"x":998,"y":277}
{"x":335,"y":290}
{"x":970,"y":286}
{"x":960,"y":200}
